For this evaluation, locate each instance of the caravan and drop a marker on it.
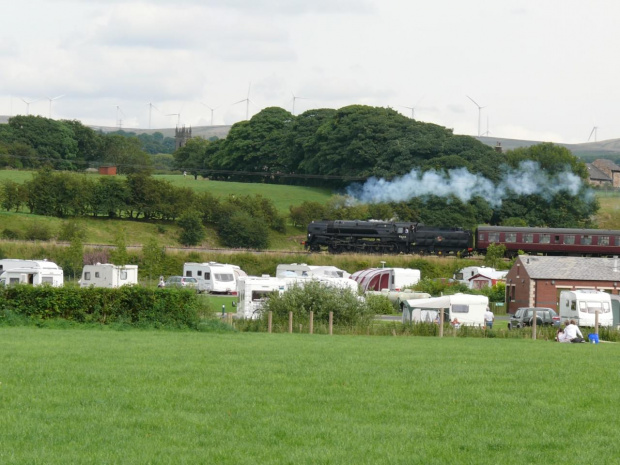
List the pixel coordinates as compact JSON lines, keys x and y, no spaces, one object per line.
{"x":33,"y":272}
{"x":301,"y":269}
{"x":468,"y":309}
{"x":108,"y":275}
{"x":215,"y":278}
{"x":582,"y":305}
{"x":392,"y":279}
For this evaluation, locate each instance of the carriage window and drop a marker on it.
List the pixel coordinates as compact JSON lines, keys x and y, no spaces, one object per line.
{"x":586,"y":240}
{"x":511,"y":237}
{"x":481,"y":236}
{"x":493,"y":237}
{"x":569,"y":239}
{"x":528,"y":238}
{"x":603,"y":240}
{"x":618,"y":240}
{"x":544,"y":238}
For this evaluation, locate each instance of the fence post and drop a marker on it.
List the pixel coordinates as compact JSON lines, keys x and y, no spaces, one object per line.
{"x":331,"y":323}
{"x":311,"y":322}
{"x":269,"y":319}
{"x":596,"y":322}
{"x":441,"y":322}
{"x":534,"y":326}
{"x":290,"y":322}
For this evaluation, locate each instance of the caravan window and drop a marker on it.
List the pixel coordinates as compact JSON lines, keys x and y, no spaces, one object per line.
{"x":188,"y":273}
{"x":460,"y":309}
{"x":123,"y":275}
{"x":199,"y":273}
{"x":207,"y":276}
{"x":47,"y":280}
{"x":260,"y":295}
{"x":87,"y":276}
{"x":225,"y":278}
{"x":13,"y":280}
{"x":96,"y":274}
{"x":593,"y":307}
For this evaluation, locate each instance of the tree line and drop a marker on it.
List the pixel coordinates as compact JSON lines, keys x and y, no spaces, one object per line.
{"x":31,"y":142}
{"x":241,"y":221}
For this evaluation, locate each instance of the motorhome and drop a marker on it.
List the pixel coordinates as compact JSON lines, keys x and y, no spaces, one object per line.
{"x":468,"y":309}
{"x":33,"y":272}
{"x":215,"y":278}
{"x":253,"y":291}
{"x":302,"y":269}
{"x":392,"y":279}
{"x":108,"y":275}
{"x":582,"y":305}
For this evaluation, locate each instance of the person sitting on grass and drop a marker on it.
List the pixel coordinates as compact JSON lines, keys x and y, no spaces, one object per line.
{"x":572,"y":332}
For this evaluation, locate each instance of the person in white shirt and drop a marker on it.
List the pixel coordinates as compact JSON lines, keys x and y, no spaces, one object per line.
{"x":572,"y":331}
{"x":489,"y":318}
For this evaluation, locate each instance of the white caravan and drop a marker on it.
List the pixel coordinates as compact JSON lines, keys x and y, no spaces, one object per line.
{"x":581,"y":305}
{"x":301,"y":269}
{"x":33,"y":272}
{"x":253,"y":291}
{"x":215,"y":278}
{"x":392,"y":279}
{"x":108,"y":275}
{"x":468,"y":309}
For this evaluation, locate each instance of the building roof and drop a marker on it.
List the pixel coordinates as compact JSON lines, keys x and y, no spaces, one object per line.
{"x":571,"y":268}
{"x":606,"y":163}
{"x":596,"y":174}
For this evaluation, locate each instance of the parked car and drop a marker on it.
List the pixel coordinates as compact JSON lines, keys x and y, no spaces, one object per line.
{"x":181,"y":281}
{"x":524,"y":316}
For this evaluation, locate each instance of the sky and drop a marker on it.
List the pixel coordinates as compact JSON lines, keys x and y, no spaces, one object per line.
{"x":542,"y":70}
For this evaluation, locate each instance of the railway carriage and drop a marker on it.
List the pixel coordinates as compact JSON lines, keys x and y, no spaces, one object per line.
{"x":549,"y":241}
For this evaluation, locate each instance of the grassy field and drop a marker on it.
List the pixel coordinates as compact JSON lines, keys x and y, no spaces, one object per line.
{"x":87,"y":396}
{"x":281,"y":195}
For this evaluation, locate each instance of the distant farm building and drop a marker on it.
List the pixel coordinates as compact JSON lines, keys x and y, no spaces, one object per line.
{"x":598,"y":177}
{"x":107,"y":170}
{"x":610,"y":169}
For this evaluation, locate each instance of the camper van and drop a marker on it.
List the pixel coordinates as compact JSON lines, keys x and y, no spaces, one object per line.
{"x":468,"y":309}
{"x":582,"y":305}
{"x":33,"y":272}
{"x":301,"y":269}
{"x":253,"y":291}
{"x":215,"y":278}
{"x":108,"y":275}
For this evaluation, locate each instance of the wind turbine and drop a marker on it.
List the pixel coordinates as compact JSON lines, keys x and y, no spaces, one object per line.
{"x":151,"y":106}
{"x":412,"y":108}
{"x":28,"y":105}
{"x":212,"y":110}
{"x":247,"y":103}
{"x":51,"y":99}
{"x":296,"y":98}
{"x":119,"y":122}
{"x":594,"y":129}
{"x":178,"y":115}
{"x":486,"y":134}
{"x":479,"y":112}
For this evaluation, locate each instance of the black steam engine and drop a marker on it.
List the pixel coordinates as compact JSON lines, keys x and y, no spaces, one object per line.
{"x":386,"y":237}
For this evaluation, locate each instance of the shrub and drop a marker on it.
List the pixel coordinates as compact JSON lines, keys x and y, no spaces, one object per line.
{"x":192,"y":230}
{"x":70,"y":230}
{"x":240,"y":229}
{"x":10,"y":234}
{"x":321,"y":299}
{"x":37,"y":231}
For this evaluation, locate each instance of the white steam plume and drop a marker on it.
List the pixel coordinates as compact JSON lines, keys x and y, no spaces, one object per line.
{"x":529,"y":178}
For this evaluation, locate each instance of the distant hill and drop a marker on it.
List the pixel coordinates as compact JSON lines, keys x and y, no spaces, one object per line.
{"x":202,"y":131}
{"x":602,"y":149}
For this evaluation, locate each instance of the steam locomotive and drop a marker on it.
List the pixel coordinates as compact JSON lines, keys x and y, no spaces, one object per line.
{"x":386,"y":237}
{"x":393,"y":237}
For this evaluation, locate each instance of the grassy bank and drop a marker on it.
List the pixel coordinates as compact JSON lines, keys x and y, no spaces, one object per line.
{"x":175,"y":397}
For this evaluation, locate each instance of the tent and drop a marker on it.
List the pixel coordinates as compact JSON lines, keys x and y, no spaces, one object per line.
{"x":468,"y":309}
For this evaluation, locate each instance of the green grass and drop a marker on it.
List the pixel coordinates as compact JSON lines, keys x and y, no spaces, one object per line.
{"x":76,"y":396}
{"x":282,"y":196}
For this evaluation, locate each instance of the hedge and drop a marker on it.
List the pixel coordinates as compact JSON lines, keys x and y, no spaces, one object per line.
{"x":136,"y":306}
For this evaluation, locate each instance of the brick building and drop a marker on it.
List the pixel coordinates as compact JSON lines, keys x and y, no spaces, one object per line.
{"x":536,"y":281}
{"x":610,"y":169}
